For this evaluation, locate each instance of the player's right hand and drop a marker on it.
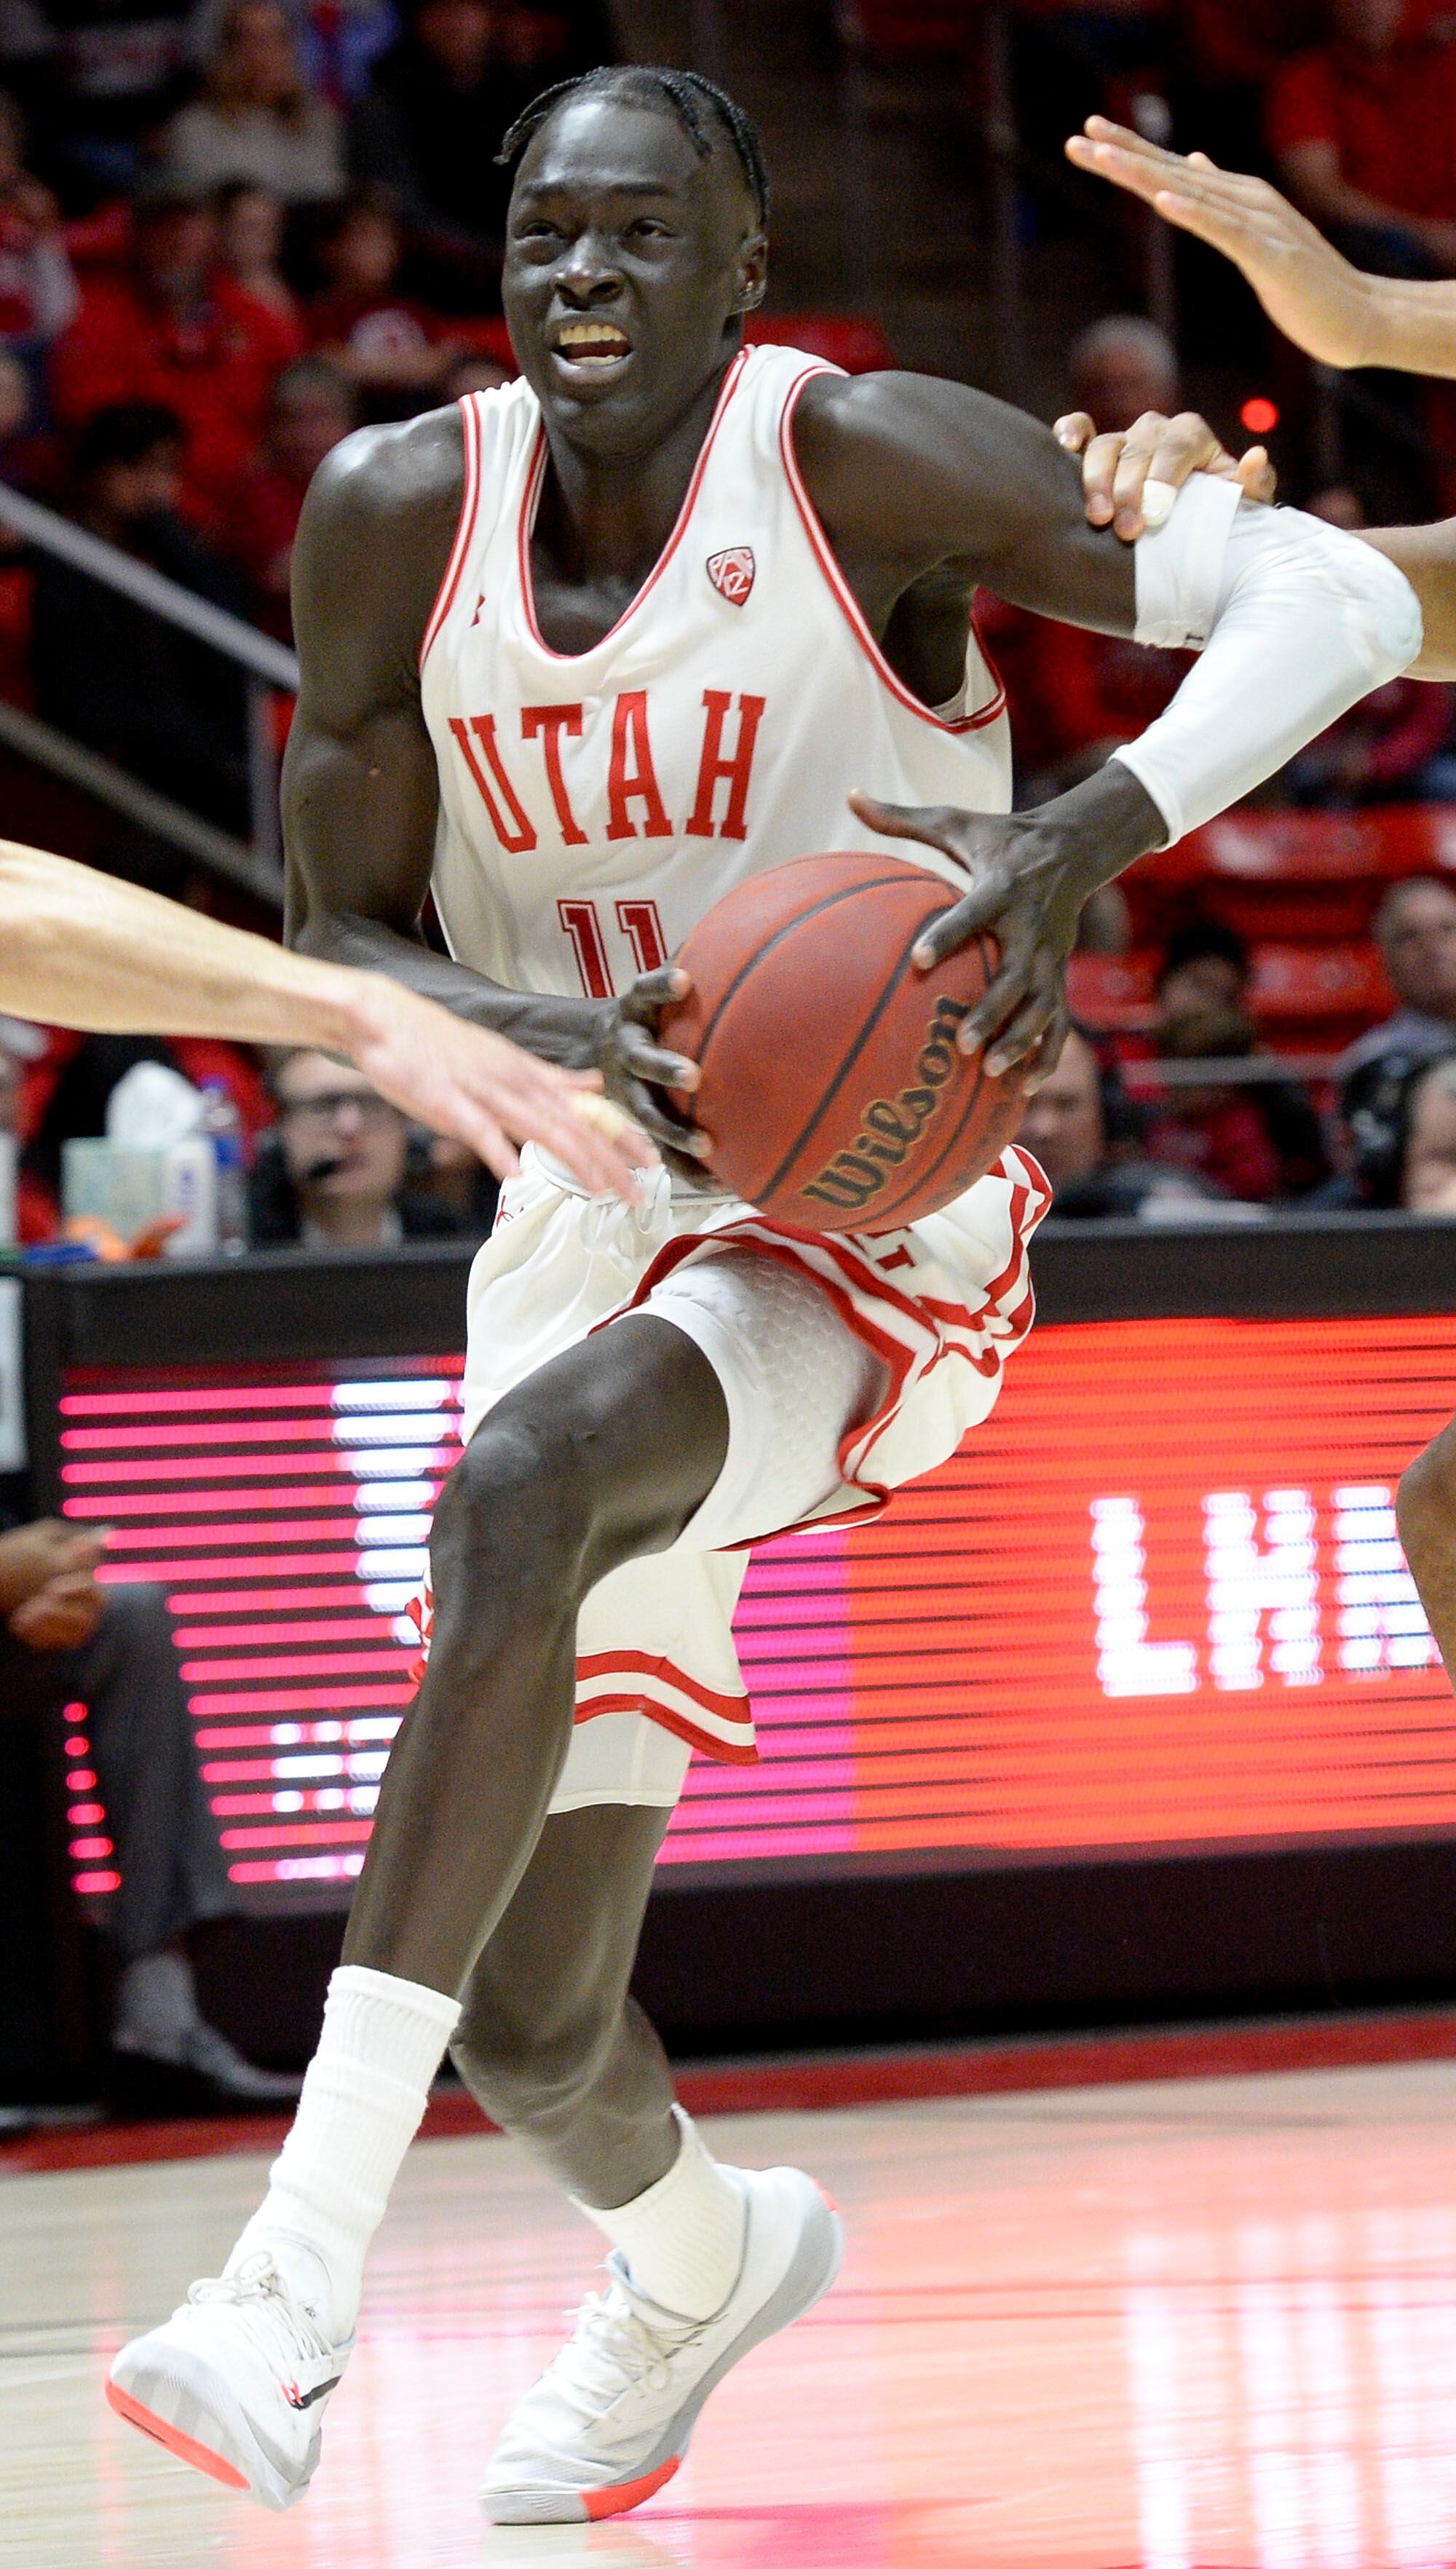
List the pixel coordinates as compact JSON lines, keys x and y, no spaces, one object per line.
{"x":1309,"y":292}
{"x":636,"y":1069}
{"x":486,"y":1092}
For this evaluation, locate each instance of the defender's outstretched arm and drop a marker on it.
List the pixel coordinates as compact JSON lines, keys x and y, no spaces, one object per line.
{"x":80,"y":949}
{"x":1333,"y":311}
{"x":1425,"y":1510}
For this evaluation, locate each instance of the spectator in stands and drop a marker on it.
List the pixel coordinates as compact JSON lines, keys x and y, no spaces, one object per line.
{"x":1415,"y":929}
{"x":27,"y":459}
{"x":249,"y":247}
{"x":334,"y":1175}
{"x":38,"y":292}
{"x":428,"y":129}
{"x":64,"y":1639}
{"x":173,"y":328}
{"x":98,"y":79}
{"x":1087,"y":1134}
{"x":1256,"y":1139}
{"x":111,"y":673}
{"x":258,"y":118}
{"x":312,"y":408}
{"x":1428,"y":1160}
{"x":389,"y":345}
{"x":1122,"y":366}
{"x":1361,"y":130}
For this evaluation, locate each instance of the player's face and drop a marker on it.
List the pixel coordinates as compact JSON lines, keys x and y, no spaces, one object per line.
{"x":628,"y":261}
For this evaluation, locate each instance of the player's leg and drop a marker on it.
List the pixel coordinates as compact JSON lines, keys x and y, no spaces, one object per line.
{"x":550,"y":2042}
{"x":603,"y":1455}
{"x":1426,"y":1512}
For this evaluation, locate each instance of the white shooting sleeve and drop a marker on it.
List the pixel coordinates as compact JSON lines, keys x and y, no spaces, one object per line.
{"x":1295,"y":620}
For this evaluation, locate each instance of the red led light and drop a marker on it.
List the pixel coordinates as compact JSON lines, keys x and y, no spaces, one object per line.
{"x":87,"y":1815}
{"x":82,"y":1780}
{"x":98,"y":1881}
{"x":77,"y":1747}
{"x":92,"y":1847}
{"x":1260,"y":415}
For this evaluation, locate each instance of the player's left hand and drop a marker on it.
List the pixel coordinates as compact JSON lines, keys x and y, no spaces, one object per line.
{"x":1131,"y":476}
{"x":1022,"y":895}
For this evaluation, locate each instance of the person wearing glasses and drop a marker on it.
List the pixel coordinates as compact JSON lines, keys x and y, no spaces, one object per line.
{"x":335,"y":1170}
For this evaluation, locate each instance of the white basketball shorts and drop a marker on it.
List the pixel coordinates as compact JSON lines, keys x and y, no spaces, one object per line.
{"x":850,"y":1363}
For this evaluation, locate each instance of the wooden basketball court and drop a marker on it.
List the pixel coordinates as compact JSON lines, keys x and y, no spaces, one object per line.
{"x":1206,"y":2324}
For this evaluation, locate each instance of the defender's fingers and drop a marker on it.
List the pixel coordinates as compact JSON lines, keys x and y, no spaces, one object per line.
{"x":1100,"y":461}
{"x":1075,"y":430}
{"x":1134,"y":506}
{"x":1255,"y":474}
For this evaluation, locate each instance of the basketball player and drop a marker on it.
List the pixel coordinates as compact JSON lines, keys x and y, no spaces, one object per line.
{"x":1343,"y":318}
{"x":78,"y":949}
{"x":583,"y":653}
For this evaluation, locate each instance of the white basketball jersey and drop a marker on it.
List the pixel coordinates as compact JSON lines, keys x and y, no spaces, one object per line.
{"x":594,"y":806}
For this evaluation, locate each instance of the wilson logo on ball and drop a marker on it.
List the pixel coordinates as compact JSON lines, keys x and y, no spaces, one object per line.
{"x":890,"y":1128}
{"x":731,"y":573}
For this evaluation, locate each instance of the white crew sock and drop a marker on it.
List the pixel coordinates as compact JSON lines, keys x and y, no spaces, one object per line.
{"x":382,"y":2041}
{"x":683,"y":2238}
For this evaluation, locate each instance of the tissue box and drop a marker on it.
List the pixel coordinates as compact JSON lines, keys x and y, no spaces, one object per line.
{"x":130,"y":1189}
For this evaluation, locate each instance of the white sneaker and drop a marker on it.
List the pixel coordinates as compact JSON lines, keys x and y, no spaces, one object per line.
{"x":235,"y":2381}
{"x":610,"y":2421}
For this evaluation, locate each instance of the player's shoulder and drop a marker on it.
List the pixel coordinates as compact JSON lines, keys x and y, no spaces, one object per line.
{"x":851,"y":430}
{"x":386,"y":474}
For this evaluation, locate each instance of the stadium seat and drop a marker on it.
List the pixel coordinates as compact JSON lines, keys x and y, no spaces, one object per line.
{"x":1319,"y":998}
{"x":1111,"y":994}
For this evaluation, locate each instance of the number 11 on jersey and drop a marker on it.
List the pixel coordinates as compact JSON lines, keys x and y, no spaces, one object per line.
{"x":639,"y":925}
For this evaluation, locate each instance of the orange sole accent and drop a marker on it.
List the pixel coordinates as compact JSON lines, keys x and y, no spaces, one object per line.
{"x":823,"y":2194}
{"x":627,"y":2493}
{"x":185,"y":2447}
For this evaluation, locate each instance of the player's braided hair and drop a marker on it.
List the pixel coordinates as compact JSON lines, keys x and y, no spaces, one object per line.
{"x":686,"y":94}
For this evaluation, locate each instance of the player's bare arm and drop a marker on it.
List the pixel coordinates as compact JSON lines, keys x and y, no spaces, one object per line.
{"x":80,"y":949}
{"x":1332,"y":311}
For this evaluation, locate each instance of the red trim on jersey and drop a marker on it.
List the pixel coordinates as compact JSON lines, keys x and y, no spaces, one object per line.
{"x":845,"y":595}
{"x":530,"y":501}
{"x":469,"y":503}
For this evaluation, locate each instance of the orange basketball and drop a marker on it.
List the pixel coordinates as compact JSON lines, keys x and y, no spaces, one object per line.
{"x":832,"y":1086}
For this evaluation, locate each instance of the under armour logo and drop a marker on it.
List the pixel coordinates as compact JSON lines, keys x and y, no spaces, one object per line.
{"x":731,"y":573}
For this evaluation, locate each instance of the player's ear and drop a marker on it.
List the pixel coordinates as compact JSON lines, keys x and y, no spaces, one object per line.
{"x":751,"y":273}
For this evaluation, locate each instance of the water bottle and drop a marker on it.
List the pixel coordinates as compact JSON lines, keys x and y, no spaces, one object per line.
{"x":221,"y":1125}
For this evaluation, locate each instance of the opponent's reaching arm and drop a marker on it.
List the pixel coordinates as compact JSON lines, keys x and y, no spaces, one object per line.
{"x":1296,"y":622}
{"x":80,"y":949}
{"x":1331,"y":310}
{"x":360,"y":783}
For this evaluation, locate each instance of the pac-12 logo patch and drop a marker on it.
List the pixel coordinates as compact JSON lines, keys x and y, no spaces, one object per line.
{"x":731,"y":573}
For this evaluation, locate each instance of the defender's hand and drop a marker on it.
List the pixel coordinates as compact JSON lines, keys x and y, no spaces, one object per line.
{"x":1309,"y":292}
{"x":483,"y":1090}
{"x":636,"y":1069}
{"x":1131,"y":476}
{"x":34,"y":1555}
{"x":61,"y":1614}
{"x":1021,"y":895}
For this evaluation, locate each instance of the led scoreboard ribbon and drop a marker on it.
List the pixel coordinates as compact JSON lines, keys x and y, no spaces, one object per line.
{"x":1158,"y":1600}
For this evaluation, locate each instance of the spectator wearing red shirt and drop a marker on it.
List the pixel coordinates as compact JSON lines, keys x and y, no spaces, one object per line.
{"x":312,"y":408}
{"x":173,"y":328}
{"x":250,"y":247}
{"x":1259,"y":1140}
{"x":1364,"y":134}
{"x":392,"y":347}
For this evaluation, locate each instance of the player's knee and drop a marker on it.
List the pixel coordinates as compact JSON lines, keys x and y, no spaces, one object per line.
{"x":510,"y":1501}
{"x":1425,"y":1503}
